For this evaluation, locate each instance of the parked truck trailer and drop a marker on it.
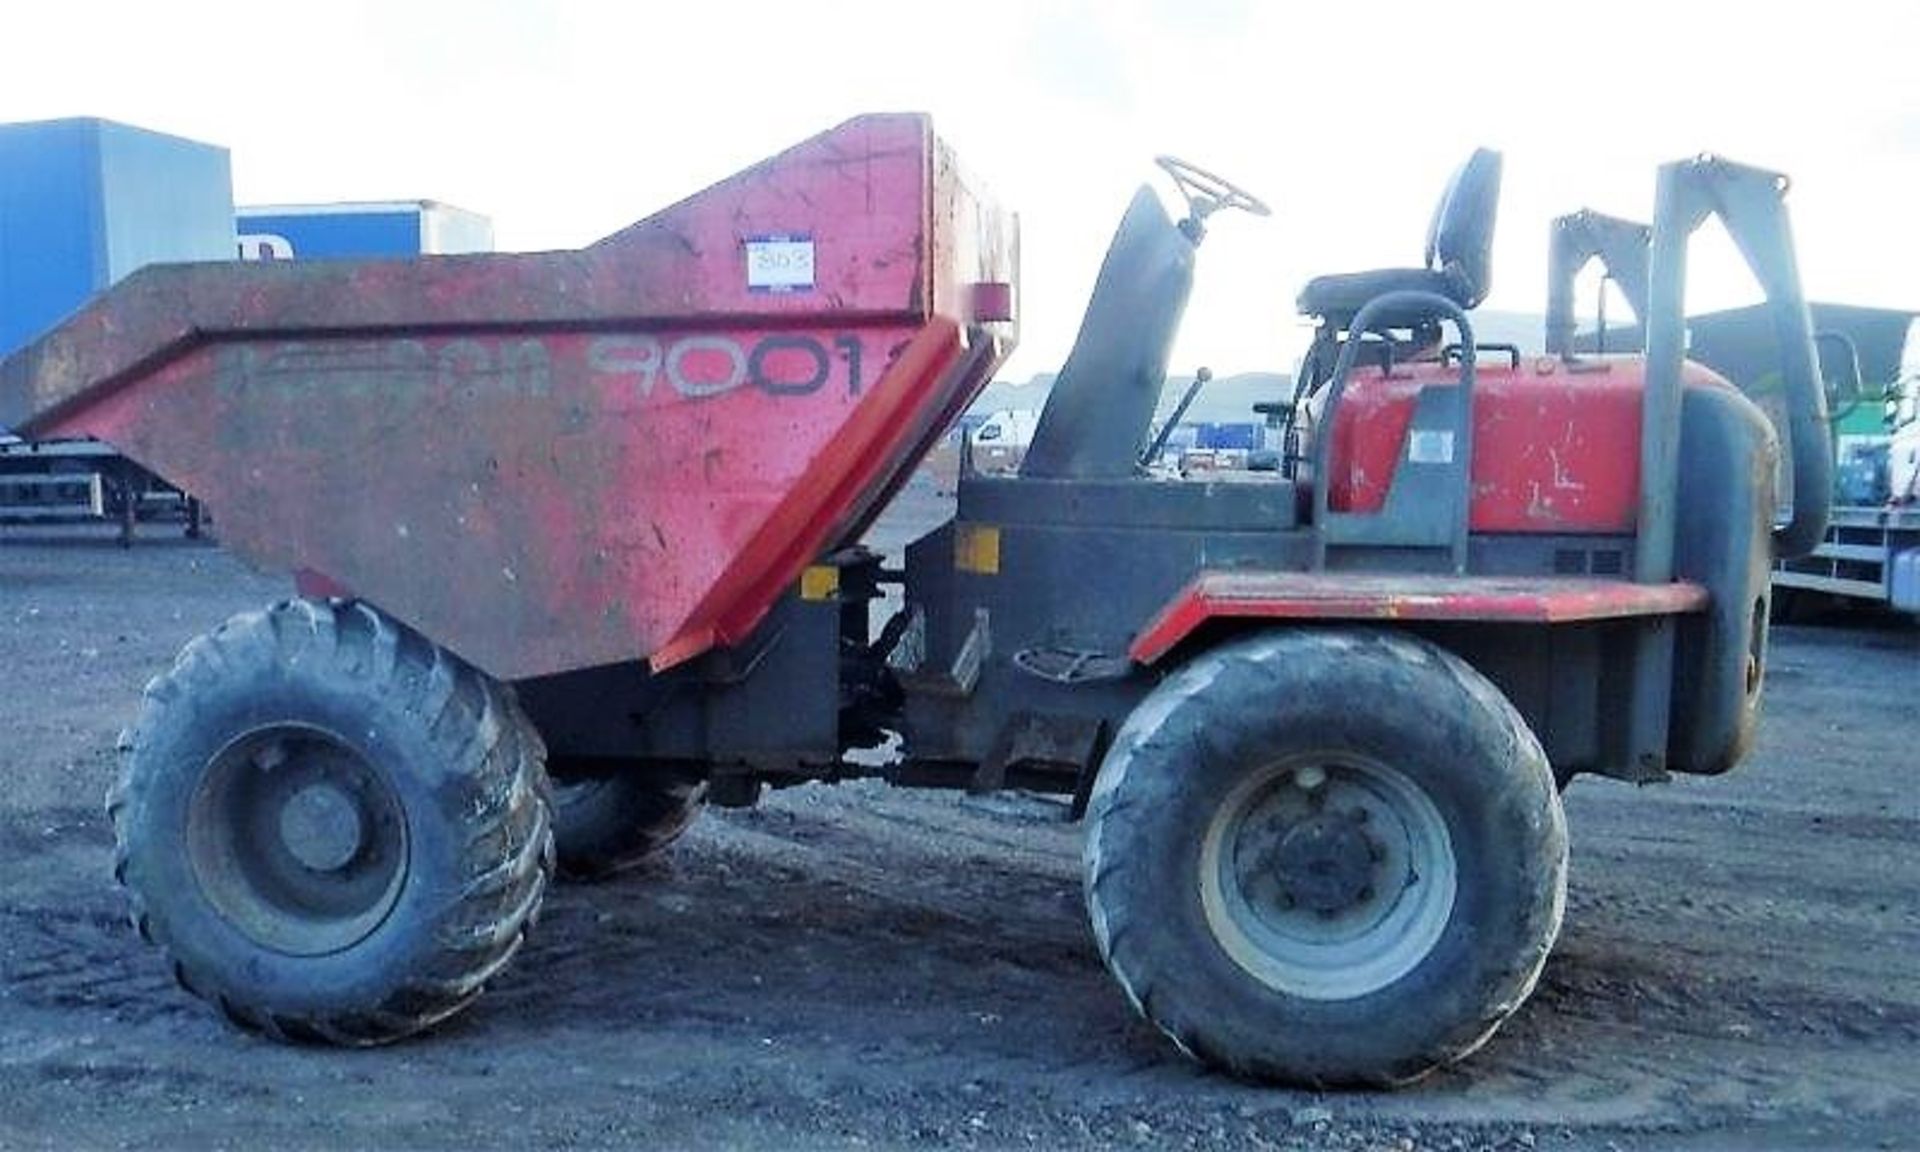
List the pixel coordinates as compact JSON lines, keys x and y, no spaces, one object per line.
{"x":360,"y":229}
{"x":1871,"y":552}
{"x":83,"y":203}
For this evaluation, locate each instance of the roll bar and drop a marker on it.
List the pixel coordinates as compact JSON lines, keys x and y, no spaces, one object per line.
{"x":1751,"y":202}
{"x":1649,"y":263}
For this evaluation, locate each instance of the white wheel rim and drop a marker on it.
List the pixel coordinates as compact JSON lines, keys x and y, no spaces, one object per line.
{"x":1327,"y":876}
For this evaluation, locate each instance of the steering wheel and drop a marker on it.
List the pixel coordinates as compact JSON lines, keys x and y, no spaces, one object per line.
{"x":1207,"y":193}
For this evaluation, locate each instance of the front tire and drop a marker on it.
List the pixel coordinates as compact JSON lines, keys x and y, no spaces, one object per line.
{"x":334,"y":829}
{"x":1326,"y":858}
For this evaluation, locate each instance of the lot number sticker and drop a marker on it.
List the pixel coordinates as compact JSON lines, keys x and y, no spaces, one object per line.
{"x":780,"y":263}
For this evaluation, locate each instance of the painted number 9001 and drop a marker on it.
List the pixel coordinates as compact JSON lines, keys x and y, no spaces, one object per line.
{"x":698,"y":367}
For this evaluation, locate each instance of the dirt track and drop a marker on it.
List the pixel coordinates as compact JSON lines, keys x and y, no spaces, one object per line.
{"x":861,"y":967}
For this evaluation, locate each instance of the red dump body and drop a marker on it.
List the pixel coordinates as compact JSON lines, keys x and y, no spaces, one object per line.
{"x":554,"y":461}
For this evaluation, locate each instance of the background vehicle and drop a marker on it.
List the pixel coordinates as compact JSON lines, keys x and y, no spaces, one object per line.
{"x":84,"y":202}
{"x":1872,"y":549}
{"x":1000,"y":441}
{"x":359,"y":229}
{"x":1317,"y":720}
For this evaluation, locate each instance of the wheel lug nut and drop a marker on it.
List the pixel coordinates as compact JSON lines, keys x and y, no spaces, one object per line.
{"x":1310,"y":778}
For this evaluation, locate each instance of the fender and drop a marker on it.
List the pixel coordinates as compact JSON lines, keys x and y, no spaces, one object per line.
{"x":1324,"y":596}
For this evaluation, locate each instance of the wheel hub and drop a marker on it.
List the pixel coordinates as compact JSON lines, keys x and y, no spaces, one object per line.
{"x":298,"y":841}
{"x":321,"y":827}
{"x":1327,"y":875}
{"x":1326,"y":863}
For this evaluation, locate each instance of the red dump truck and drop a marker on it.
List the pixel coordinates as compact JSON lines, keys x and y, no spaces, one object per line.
{"x":575,"y":538}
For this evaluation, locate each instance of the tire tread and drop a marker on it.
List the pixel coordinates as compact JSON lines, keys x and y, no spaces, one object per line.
{"x":1196,"y":705}
{"x":481,"y":745}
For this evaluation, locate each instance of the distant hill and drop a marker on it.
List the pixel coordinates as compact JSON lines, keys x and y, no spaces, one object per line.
{"x":1525,"y":330}
{"x":1227,"y":399}
{"x":1030,"y":394}
{"x":1739,"y":343}
{"x":1230,"y":399}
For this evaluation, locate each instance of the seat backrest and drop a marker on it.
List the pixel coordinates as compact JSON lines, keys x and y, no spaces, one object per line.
{"x":1460,"y":239}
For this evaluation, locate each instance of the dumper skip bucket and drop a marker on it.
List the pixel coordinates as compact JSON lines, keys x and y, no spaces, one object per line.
{"x":559,"y":460}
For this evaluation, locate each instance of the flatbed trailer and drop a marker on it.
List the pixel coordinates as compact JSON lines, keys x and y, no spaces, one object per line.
{"x":84,"y":480}
{"x":1869,"y":554}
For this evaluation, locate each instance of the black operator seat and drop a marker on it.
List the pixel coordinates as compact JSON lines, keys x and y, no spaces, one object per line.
{"x":1459,"y":254}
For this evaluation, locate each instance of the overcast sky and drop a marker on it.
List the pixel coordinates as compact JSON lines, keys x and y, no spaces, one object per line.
{"x":564,"y":121}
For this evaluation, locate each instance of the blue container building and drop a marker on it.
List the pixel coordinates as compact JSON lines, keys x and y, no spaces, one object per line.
{"x":84,"y":202}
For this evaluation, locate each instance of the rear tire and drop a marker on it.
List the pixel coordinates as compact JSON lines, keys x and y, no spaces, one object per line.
{"x":335,"y":830}
{"x":605,"y":822}
{"x":1326,"y":858}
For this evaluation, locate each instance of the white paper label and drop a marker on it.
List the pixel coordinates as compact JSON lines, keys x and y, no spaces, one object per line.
{"x":1430,"y":446}
{"x":780,"y":263}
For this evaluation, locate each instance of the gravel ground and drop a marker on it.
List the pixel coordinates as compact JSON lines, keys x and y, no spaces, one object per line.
{"x":861,"y":967}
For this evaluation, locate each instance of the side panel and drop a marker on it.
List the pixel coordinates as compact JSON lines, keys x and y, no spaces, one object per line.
{"x":534,"y":503}
{"x":1556,"y":446}
{"x":1027,"y":603}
